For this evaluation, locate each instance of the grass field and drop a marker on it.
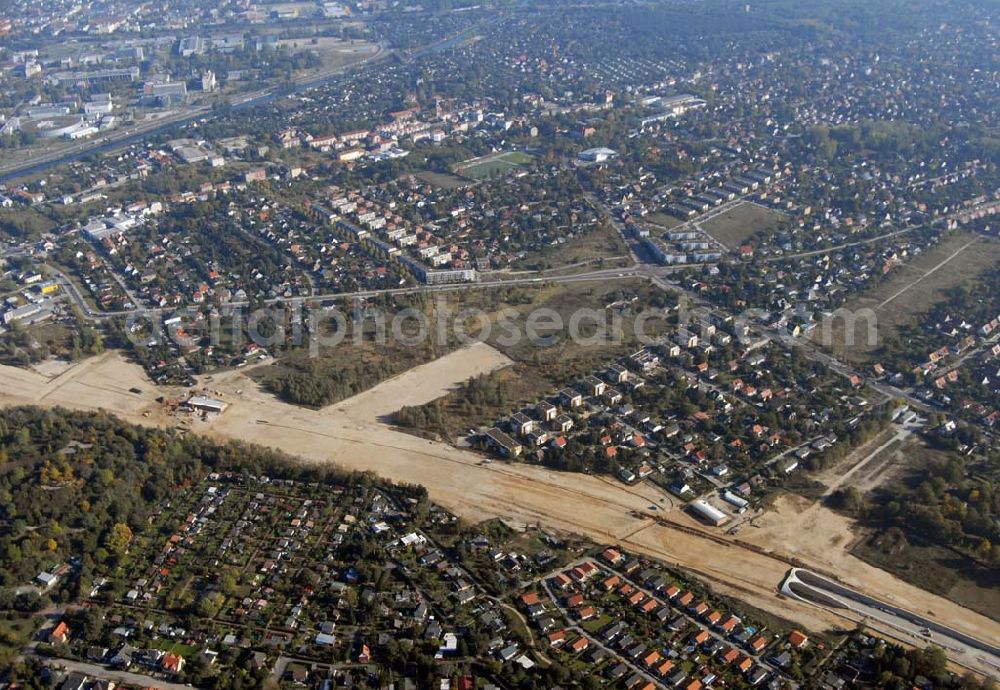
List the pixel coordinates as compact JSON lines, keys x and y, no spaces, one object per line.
{"x":494,"y":164}
{"x":441,"y":180}
{"x":603,"y":243}
{"x":15,"y":633}
{"x":897,"y":461}
{"x":735,"y":226}
{"x":663,"y":220}
{"x":912,"y":288}
{"x":171,"y":647}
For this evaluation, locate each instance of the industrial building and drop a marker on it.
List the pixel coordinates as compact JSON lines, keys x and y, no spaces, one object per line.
{"x":191,"y":45}
{"x":709,"y":513}
{"x":597,"y":155}
{"x":167,"y":93}
{"x":99,"y":228}
{"x":731,"y":498}
{"x":97,"y":76}
{"x":29,"y":313}
{"x":200,"y":403}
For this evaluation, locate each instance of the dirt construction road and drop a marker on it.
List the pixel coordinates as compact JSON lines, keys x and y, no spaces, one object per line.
{"x":352,"y":434}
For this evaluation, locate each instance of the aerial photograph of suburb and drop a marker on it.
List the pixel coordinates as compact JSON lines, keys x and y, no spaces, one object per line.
{"x":499,"y":344}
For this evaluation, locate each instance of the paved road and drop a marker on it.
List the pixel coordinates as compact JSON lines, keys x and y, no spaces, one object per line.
{"x":654,"y":273}
{"x":98,"y":671}
{"x":596,"y":642}
{"x":589,"y":276}
{"x":982,"y":656}
{"x":544,"y":581}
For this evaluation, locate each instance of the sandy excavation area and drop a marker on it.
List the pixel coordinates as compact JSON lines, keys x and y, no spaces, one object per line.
{"x":351,"y":434}
{"x":822,"y":537}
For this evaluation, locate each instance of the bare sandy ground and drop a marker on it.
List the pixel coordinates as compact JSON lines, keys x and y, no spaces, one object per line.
{"x":604,"y":510}
{"x":823,"y":538}
{"x":52,"y":367}
{"x":101,"y":382}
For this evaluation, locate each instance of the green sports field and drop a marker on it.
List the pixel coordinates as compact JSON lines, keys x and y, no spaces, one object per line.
{"x":494,"y":164}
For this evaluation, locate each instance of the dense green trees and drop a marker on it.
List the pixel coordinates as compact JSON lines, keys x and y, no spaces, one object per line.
{"x":24,"y":223}
{"x":341,"y":372}
{"x":954,"y":505}
{"x":894,"y":668}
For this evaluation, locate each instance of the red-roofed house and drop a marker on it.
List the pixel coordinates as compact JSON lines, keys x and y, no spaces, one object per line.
{"x":172,"y":663}
{"x":561,"y":580}
{"x":59,"y":634}
{"x":585,"y":571}
{"x":729,"y":623}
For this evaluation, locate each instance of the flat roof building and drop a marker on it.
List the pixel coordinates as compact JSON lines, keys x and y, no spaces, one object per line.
{"x":205,"y":404}
{"x":29,"y":313}
{"x":597,"y":155}
{"x":191,"y":45}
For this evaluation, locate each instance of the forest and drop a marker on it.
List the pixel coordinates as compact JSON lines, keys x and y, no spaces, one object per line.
{"x":954,"y":505}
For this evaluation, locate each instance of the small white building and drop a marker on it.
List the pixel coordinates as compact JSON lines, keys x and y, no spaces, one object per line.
{"x":46,"y":579}
{"x":201,"y":403}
